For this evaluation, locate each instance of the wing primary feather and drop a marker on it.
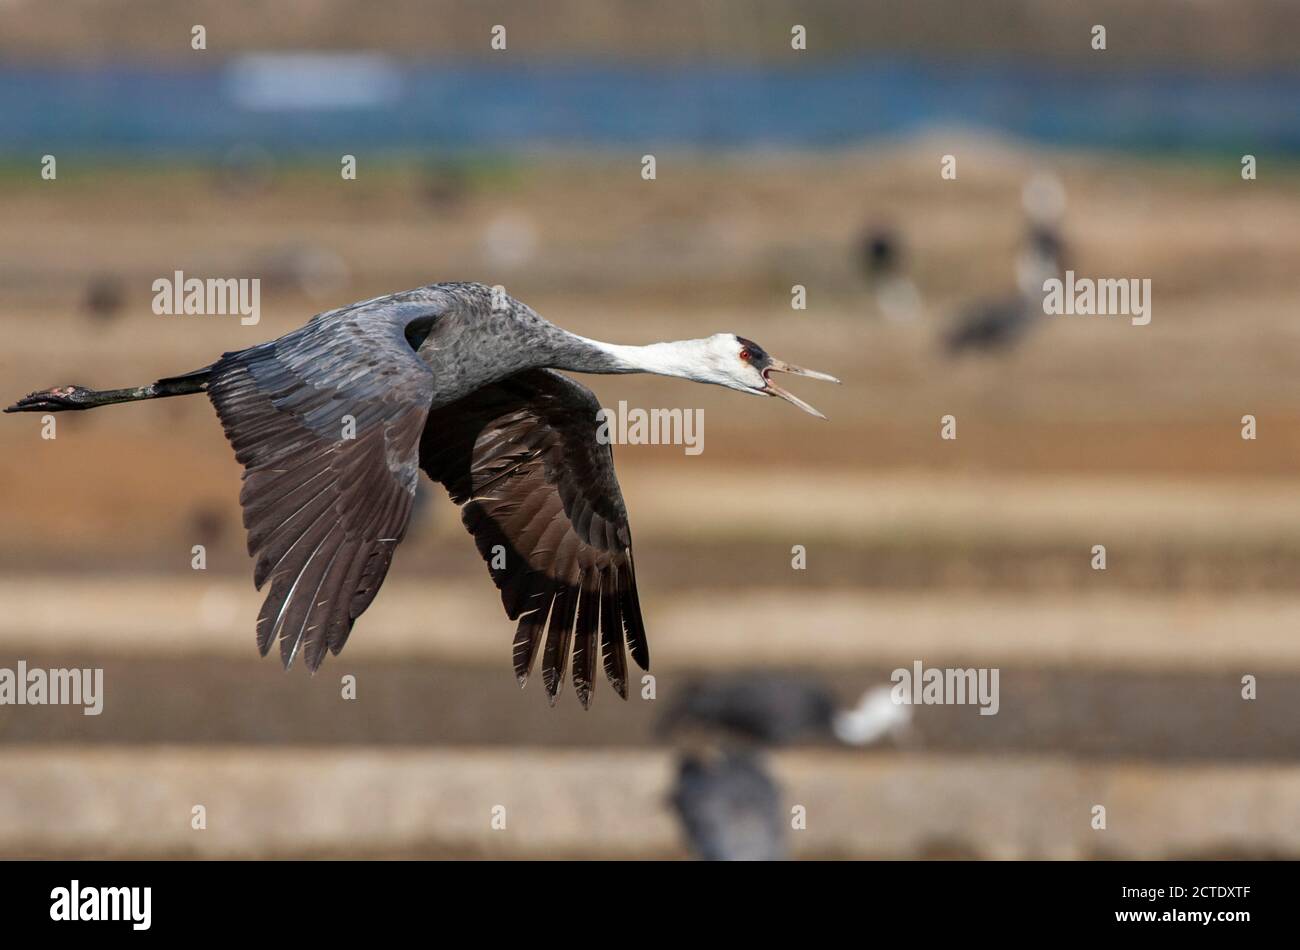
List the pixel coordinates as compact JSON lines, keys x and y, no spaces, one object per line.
{"x":633,"y":625}
{"x":528,"y":637}
{"x":611,"y":634}
{"x":305,"y":602}
{"x":558,"y":637}
{"x":584,"y":642}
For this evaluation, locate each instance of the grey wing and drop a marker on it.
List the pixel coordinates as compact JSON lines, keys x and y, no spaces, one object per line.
{"x":326,"y":421}
{"x":541,"y":499}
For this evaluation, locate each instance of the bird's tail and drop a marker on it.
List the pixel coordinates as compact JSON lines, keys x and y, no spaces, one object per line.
{"x":63,"y":398}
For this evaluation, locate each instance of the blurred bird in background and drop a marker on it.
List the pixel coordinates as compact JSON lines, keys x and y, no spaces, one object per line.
{"x":105,"y":297}
{"x":1000,"y":324}
{"x":728,"y":804}
{"x":730,"y":807}
{"x":883,"y":260}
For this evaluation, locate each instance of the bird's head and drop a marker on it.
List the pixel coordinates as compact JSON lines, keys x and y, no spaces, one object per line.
{"x":737,"y":363}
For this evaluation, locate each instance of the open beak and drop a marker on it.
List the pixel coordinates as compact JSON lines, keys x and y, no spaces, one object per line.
{"x":772,"y":389}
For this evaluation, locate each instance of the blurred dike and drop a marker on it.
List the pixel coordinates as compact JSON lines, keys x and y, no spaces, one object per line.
{"x":1249,"y":33}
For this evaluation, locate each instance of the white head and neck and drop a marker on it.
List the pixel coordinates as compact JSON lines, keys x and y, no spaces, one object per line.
{"x":723,"y":359}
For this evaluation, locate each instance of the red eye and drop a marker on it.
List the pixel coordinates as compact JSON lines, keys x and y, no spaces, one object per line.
{"x":746,"y":355}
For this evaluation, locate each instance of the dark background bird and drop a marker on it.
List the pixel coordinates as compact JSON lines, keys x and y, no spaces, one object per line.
{"x":884,"y":263}
{"x":730,"y":807}
{"x":759,"y":706}
{"x":728,"y":803}
{"x":775,"y":708}
{"x":999,"y":324}
{"x":105,"y":297}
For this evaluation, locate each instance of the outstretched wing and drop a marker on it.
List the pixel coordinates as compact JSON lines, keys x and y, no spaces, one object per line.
{"x":544,"y":507}
{"x":326,"y":421}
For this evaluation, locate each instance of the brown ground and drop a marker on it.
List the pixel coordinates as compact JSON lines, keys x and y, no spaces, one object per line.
{"x":1136,"y":416}
{"x":1094,"y":432}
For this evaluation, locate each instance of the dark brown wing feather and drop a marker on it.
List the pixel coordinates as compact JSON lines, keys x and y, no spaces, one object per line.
{"x":538,"y":489}
{"x":324,"y":512}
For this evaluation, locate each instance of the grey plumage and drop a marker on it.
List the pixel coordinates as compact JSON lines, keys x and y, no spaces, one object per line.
{"x":443,"y":378}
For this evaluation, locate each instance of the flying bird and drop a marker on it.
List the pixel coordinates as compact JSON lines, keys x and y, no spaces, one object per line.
{"x":334,"y":421}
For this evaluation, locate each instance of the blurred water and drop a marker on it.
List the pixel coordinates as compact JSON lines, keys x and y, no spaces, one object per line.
{"x":351,"y":102}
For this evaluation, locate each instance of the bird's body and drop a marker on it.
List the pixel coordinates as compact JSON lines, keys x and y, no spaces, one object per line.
{"x":334,"y":421}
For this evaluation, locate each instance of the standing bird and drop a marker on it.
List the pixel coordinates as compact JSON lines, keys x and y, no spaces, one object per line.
{"x":1001,"y":323}
{"x":334,"y":420}
{"x":884,"y":265}
{"x":777,"y":708}
{"x":726,"y":800}
{"x":729,"y":807}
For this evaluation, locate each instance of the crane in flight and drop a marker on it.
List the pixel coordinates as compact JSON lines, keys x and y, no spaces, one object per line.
{"x":334,"y":421}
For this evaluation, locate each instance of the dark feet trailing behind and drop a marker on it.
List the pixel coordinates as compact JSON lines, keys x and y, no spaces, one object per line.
{"x":63,"y":398}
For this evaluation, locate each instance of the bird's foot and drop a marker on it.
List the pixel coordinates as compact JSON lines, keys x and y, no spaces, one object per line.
{"x":57,"y":399}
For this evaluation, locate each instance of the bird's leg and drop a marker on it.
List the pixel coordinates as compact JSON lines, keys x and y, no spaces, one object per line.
{"x":63,"y":398}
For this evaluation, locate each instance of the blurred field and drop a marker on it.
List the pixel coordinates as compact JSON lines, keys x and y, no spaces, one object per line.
{"x":578,"y":805}
{"x":1123,"y":683}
